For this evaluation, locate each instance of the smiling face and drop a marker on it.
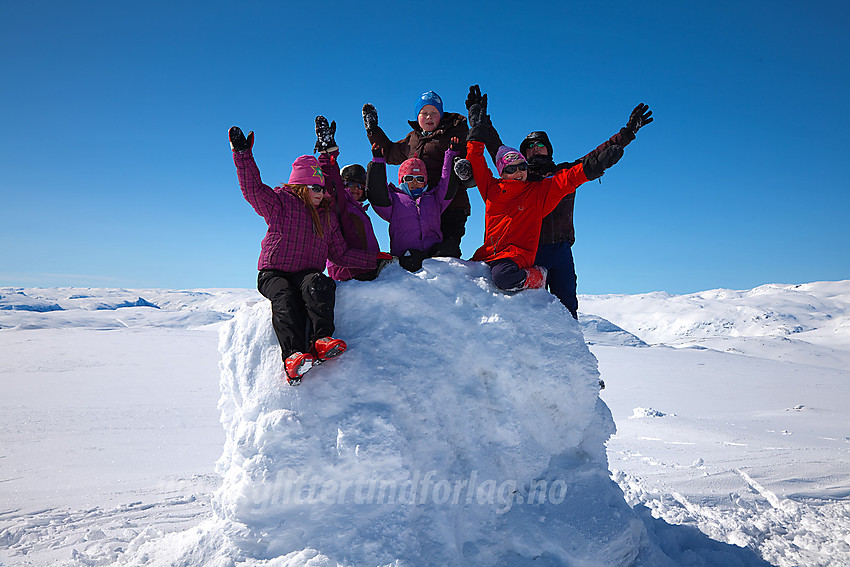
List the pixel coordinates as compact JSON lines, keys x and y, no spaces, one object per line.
{"x":429,"y":118}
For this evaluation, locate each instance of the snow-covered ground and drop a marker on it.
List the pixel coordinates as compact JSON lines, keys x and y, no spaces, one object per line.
{"x":730,"y":409}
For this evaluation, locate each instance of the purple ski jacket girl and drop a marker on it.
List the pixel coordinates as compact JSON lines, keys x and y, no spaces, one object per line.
{"x":414,"y":223}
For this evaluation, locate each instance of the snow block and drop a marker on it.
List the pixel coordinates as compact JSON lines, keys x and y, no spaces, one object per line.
{"x":461,"y":427}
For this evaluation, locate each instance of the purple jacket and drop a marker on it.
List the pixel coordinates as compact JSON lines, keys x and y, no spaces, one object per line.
{"x":414,"y":223}
{"x":291,"y":243}
{"x":355,"y":223}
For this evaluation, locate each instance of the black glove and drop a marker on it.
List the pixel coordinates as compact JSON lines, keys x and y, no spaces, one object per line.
{"x":238,"y":142}
{"x":476,"y":116}
{"x":370,"y":117}
{"x":325,"y":135}
{"x":475,"y":97}
{"x":595,"y":163}
{"x":640,"y":117}
{"x":457,"y":144}
{"x":463,"y":169}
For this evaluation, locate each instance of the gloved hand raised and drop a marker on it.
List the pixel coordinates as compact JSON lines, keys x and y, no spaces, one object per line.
{"x":325,"y":135}
{"x":640,"y":117}
{"x":370,"y":117}
{"x":476,"y":116}
{"x":238,"y":142}
{"x":475,"y":97}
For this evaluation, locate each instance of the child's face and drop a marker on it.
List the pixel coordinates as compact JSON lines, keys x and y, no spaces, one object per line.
{"x":355,"y":190}
{"x":519,"y":174}
{"x":317,"y":194}
{"x":414,"y":182}
{"x":429,"y":118}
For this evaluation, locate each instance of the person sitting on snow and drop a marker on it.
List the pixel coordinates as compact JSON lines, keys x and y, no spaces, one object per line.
{"x":515,"y":206}
{"x":557,"y":233}
{"x":413,"y":208}
{"x":302,"y":234}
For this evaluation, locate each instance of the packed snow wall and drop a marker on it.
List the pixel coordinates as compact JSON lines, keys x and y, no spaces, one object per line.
{"x":462,"y":427}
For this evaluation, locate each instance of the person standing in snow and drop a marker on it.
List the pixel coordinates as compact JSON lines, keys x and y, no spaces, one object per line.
{"x":347,"y":190}
{"x":413,"y":208}
{"x":431,"y":134}
{"x":302,"y":234}
{"x":515,"y":206}
{"x":557,"y":233}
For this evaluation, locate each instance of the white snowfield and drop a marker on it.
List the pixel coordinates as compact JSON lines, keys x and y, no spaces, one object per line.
{"x":462,"y":427}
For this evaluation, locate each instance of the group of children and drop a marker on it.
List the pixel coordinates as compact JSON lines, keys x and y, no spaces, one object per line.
{"x":318,"y":220}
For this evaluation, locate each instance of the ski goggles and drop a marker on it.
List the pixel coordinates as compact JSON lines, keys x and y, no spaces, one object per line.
{"x":417,"y":178}
{"x":536,"y":145}
{"x":509,"y":169}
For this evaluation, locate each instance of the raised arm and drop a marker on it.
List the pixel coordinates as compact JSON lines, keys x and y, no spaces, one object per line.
{"x":328,"y":154}
{"x":493,"y":141}
{"x":258,"y":194}
{"x":377,"y":190}
{"x":447,"y":188}
{"x":640,"y":117}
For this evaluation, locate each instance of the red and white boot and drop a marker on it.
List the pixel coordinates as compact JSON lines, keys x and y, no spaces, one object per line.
{"x":296,"y":364}
{"x":536,"y":277}
{"x":329,"y":347}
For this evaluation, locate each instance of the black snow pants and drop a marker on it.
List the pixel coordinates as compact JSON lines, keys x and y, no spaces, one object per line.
{"x":302,"y":307}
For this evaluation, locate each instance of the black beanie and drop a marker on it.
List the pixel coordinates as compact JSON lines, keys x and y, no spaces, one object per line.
{"x":354,"y":172}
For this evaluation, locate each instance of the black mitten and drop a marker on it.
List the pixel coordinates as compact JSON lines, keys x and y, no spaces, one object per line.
{"x":238,"y":141}
{"x":595,"y":163}
{"x":325,"y":135}
{"x":370,"y":117}
{"x":640,"y":117}
{"x":463,"y":169}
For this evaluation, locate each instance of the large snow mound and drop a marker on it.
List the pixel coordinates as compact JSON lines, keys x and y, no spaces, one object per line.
{"x":462,"y":427}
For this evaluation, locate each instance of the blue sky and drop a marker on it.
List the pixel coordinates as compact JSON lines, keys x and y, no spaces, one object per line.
{"x":115,"y":170}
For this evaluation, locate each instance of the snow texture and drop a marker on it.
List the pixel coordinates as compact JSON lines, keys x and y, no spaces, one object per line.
{"x":462,"y":427}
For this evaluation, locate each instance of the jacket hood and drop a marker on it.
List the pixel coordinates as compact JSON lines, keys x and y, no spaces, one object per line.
{"x":537,"y":136}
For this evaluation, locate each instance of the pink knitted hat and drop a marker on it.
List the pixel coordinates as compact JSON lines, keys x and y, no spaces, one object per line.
{"x":306,"y":171}
{"x":413,"y":166}
{"x":506,"y":155}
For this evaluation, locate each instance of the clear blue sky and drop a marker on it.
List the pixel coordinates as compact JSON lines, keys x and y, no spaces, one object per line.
{"x":115,"y":169}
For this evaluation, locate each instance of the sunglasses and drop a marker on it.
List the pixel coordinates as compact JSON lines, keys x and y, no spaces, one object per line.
{"x":417,"y":178}
{"x":353,"y":185}
{"x":317,"y":189}
{"x":513,"y":168}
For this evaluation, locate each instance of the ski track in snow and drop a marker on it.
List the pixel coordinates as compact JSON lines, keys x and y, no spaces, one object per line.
{"x":730,"y":499}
